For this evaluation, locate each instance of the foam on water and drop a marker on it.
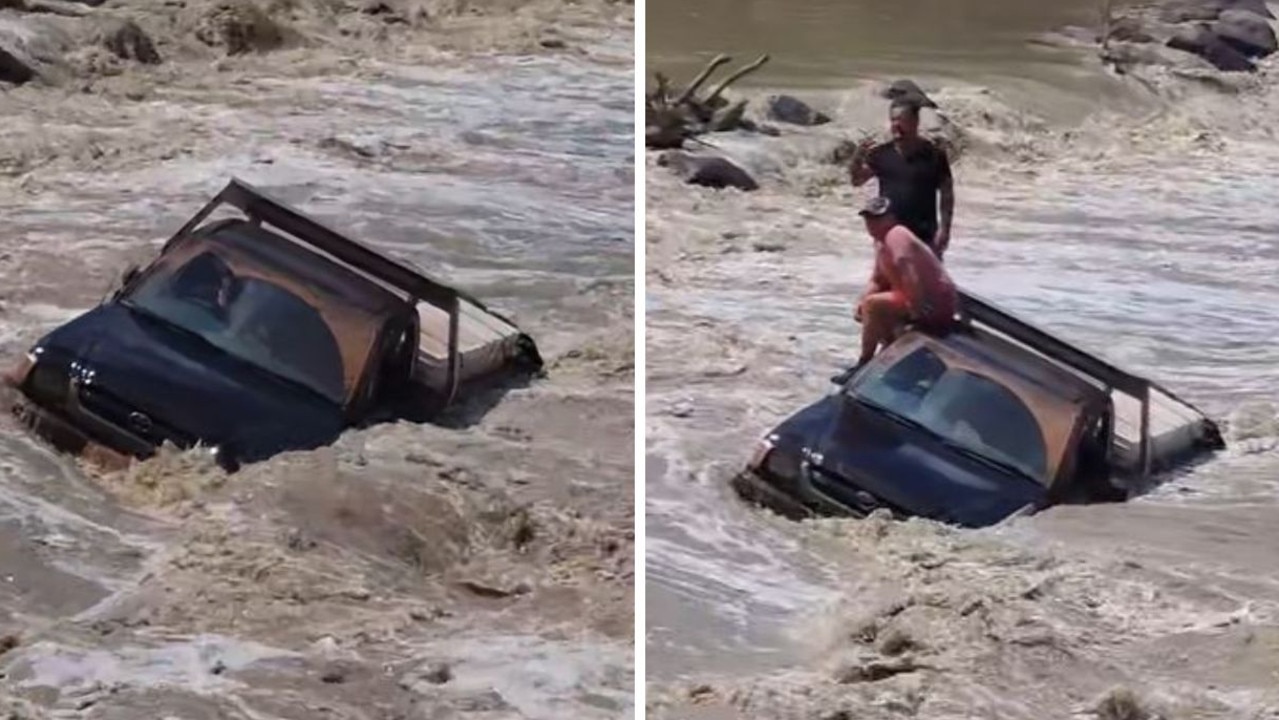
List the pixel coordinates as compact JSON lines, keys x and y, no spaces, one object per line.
{"x":175,"y":590}
{"x":1144,"y":231}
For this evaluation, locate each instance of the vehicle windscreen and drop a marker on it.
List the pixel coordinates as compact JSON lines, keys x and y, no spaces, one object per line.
{"x":252,"y":319}
{"x":962,"y":407}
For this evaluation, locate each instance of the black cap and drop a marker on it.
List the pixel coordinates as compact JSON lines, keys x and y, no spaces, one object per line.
{"x":876,"y":207}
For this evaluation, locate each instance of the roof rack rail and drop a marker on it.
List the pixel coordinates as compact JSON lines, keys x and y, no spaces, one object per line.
{"x":258,"y":206}
{"x":976,"y":310}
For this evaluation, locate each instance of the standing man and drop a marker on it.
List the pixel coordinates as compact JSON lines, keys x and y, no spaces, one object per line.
{"x":913,"y":173}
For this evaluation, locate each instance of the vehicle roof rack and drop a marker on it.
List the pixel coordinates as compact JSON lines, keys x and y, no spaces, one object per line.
{"x":258,"y":206}
{"x":975,"y":310}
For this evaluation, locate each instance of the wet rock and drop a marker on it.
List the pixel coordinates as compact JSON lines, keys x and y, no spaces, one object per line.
{"x":707,"y":170}
{"x":425,"y":679}
{"x":297,"y":540}
{"x":875,"y":669}
{"x":384,"y":11}
{"x":490,"y":591}
{"x":1202,"y":41}
{"x":552,"y":43}
{"x":1122,"y":704}
{"x":894,"y":641}
{"x":333,"y":675}
{"x":1131,"y":29}
{"x":127,"y":41}
{"x":437,"y":673}
{"x":908,"y":91}
{"x":31,"y":48}
{"x":1182,"y":11}
{"x":237,"y":26}
{"x":14,"y":68}
{"x":1246,"y":31}
{"x":1122,"y":56}
{"x":790,"y":109}
{"x":700,"y":692}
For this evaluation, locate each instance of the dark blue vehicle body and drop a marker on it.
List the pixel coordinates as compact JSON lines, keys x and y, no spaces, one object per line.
{"x":837,"y":457}
{"x":254,"y":335}
{"x":154,"y":382}
{"x":849,"y":455}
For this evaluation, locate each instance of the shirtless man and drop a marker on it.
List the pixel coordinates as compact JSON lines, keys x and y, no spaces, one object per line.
{"x":908,"y":285}
{"x":914,"y":174}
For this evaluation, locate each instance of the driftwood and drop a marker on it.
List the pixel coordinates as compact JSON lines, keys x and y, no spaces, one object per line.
{"x":671,"y":119}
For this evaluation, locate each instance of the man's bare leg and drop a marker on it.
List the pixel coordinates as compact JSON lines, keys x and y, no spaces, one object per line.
{"x":881,"y":316}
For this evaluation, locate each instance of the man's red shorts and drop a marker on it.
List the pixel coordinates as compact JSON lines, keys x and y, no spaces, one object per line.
{"x":940,"y":316}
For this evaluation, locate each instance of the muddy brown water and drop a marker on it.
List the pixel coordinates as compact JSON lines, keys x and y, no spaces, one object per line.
{"x":1132,"y":216}
{"x":477,"y":566}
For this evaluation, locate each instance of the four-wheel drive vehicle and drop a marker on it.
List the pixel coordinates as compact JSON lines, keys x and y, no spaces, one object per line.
{"x":989,"y":420}
{"x":256,"y":334}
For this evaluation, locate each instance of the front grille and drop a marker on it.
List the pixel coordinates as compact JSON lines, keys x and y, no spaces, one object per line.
{"x":846,"y":493}
{"x":122,"y":414}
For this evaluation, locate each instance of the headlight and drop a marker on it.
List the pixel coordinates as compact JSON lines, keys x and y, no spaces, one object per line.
{"x":762,"y":449}
{"x":19,"y":372}
{"x":783,"y":464}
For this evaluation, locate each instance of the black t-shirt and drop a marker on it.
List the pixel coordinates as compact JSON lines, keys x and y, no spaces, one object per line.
{"x":911,"y":183}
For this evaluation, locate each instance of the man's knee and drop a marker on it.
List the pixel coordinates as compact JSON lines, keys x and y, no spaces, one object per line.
{"x":880,"y":305}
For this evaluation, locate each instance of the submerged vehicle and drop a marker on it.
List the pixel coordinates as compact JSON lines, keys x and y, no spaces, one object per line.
{"x":992,"y":419}
{"x":255,"y":334}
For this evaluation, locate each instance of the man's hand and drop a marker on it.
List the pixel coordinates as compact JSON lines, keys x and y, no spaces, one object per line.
{"x":858,"y":171}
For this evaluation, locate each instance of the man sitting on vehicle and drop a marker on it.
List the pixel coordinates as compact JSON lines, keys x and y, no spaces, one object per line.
{"x":909,"y":285}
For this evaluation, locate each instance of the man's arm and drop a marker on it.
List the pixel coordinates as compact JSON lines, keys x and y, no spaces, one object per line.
{"x":859,"y":169}
{"x":877,"y":284}
{"x":946,"y":197}
{"x":911,"y":287}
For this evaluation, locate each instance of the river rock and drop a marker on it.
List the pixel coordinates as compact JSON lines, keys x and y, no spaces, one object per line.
{"x":14,"y":68}
{"x":1202,"y":41}
{"x":1131,"y":29}
{"x":1125,"y":55}
{"x":1181,"y":11}
{"x":789,"y":109}
{"x":1246,"y":31}
{"x":31,"y":48}
{"x":908,"y":91}
{"x":707,"y":170}
{"x":237,"y":26}
{"x":127,"y":41}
